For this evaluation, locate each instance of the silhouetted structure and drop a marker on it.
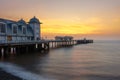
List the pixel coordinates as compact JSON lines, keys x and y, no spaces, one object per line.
{"x":22,"y":37}
{"x":66,"y":38}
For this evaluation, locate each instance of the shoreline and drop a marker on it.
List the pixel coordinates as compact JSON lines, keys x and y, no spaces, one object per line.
{"x":7,"y":76}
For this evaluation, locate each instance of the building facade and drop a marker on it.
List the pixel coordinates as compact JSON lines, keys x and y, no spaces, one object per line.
{"x":64,"y":38}
{"x":19,"y":30}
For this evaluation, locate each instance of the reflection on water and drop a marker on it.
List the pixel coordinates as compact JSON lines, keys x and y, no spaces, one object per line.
{"x":98,"y":61}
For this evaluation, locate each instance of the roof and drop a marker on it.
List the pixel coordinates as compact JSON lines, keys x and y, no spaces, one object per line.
{"x":34,"y":20}
{"x":7,"y":21}
{"x":21,"y":22}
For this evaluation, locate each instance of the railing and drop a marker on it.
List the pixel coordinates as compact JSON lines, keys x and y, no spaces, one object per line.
{"x":23,"y":41}
{"x":28,"y":41}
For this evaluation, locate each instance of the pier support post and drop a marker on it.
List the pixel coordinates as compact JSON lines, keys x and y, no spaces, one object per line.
{"x":31,"y":48}
{"x":39,"y":47}
{"x":17,"y":49}
{"x":26,"y":49}
{"x":14,"y":50}
{"x":52,"y":44}
{"x":46,"y":46}
{"x":5,"y":52}
{"x":0,"y":52}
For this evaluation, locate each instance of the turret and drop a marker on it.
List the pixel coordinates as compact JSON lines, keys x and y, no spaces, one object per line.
{"x":35,"y":25}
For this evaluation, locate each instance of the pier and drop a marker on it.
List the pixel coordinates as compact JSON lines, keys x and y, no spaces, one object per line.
{"x":25,"y":37}
{"x":20,"y":47}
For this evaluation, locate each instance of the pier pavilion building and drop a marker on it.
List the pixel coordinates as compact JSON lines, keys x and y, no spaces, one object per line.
{"x":66,"y":38}
{"x":19,"y":30}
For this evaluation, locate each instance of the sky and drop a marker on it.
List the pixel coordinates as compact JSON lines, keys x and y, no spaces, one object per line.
{"x":93,"y":19}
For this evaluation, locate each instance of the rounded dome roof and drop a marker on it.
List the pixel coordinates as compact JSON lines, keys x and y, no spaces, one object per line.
{"x":22,"y":21}
{"x":34,"y":20}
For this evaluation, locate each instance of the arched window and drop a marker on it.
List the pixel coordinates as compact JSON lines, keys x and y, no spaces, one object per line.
{"x":24,"y":30}
{"x":2,"y":28}
{"x":14,"y":29}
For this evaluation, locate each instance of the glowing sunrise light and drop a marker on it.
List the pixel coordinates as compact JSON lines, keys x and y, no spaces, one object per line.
{"x":99,"y":18}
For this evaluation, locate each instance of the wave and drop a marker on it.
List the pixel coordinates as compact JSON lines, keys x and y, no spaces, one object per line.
{"x":20,"y":72}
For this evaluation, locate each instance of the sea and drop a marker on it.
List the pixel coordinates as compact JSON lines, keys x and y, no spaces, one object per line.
{"x":95,"y":61}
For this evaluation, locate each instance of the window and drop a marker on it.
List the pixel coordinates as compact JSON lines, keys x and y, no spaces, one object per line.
{"x":28,"y":38}
{"x":2,"y":28}
{"x":32,"y":38}
{"x":14,"y":29}
{"x":24,"y":30}
{"x":9,"y":38}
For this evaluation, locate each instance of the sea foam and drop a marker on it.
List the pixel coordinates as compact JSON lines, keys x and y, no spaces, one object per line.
{"x":21,"y":72}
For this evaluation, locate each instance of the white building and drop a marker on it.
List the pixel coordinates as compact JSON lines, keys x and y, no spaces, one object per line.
{"x":19,"y":30}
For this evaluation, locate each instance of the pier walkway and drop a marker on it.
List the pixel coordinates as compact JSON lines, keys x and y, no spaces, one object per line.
{"x":39,"y":45}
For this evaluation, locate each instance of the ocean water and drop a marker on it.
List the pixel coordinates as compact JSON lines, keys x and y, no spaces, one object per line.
{"x":97,"y":61}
